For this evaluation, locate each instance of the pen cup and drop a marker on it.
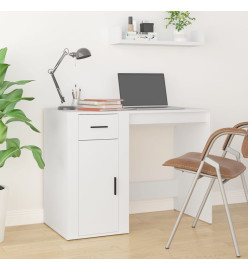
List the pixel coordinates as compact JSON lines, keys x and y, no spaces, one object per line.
{"x":74,"y":102}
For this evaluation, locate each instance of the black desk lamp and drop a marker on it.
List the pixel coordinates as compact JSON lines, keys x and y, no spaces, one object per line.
{"x":80,"y":54}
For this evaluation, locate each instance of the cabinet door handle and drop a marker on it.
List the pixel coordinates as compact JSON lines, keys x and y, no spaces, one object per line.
{"x":99,"y":127}
{"x":115,"y":186}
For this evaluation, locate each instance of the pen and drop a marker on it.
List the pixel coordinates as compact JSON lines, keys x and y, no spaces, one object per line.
{"x":73,"y":94}
{"x":79,"y":95}
{"x":75,"y":91}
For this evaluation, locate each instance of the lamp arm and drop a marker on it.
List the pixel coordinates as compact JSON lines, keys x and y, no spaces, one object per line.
{"x":58,"y":88}
{"x":65,"y":52}
{"x":52,"y":71}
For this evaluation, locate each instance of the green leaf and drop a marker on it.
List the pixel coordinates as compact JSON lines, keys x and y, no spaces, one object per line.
{"x":13,"y":95}
{"x":9,"y":107}
{"x":5,"y":154}
{"x":23,"y":98}
{"x":3,"y":131}
{"x":3,"y":70}
{"x":27,"y":123}
{"x":27,"y":98}
{"x":37,"y":154}
{"x":7,"y":84}
{"x":3,"y":54}
{"x":14,"y":142}
{"x":3,"y":104}
{"x":19,"y":114}
{"x":32,"y":127}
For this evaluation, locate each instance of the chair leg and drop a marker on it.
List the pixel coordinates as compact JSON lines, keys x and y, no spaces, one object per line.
{"x":184,"y":205}
{"x":223,"y":193}
{"x":203,"y":202}
{"x":244,"y":186}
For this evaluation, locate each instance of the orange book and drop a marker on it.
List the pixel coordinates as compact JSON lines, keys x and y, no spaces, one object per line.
{"x":101,"y":106}
{"x":96,"y":109}
{"x":104,"y":100}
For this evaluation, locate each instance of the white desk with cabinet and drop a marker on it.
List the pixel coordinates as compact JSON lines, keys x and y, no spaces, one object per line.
{"x":86,"y":178}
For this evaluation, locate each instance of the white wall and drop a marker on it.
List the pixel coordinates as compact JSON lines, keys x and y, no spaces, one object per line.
{"x":213,"y":76}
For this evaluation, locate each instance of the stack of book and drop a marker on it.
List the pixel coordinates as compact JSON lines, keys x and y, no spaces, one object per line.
{"x":141,"y":36}
{"x":99,"y":104}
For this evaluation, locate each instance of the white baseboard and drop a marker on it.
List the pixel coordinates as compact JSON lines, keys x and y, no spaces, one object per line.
{"x":23,"y":217}
{"x":151,"y":205}
{"x":233,"y":196}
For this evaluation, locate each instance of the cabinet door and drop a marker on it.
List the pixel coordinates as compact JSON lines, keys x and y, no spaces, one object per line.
{"x":98,"y":187}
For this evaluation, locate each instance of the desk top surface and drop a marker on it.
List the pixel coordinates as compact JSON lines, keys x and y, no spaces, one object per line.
{"x":134,"y":111}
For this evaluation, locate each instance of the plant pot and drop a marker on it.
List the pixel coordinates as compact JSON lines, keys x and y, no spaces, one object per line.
{"x":180,"y":36}
{"x":3,"y":209}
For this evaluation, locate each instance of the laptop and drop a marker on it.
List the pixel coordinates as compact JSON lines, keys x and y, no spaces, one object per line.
{"x":143,"y":91}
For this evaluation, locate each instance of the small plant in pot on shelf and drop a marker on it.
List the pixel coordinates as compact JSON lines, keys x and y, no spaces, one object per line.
{"x":8,"y":115}
{"x":180,"y":20}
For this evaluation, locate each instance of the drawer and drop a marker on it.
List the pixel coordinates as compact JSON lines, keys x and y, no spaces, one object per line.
{"x":98,"y":126}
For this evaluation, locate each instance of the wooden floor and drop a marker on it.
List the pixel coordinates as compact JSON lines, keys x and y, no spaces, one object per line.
{"x":148,"y":235}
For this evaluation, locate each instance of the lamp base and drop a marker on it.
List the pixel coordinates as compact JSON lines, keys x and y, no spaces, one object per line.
{"x":68,"y":108}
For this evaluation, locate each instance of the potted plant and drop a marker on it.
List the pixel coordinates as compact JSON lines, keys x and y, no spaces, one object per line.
{"x":180,"y":19}
{"x":8,"y":115}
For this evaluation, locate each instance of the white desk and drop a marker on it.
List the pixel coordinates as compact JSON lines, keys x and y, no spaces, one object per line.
{"x":86,"y":178}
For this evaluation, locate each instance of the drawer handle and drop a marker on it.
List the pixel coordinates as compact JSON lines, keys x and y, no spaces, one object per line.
{"x":115,"y":186}
{"x":99,"y":127}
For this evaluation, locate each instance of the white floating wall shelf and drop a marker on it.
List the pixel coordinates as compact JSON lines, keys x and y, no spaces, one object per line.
{"x":195,"y":38}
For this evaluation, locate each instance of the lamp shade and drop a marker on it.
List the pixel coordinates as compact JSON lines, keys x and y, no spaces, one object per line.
{"x":82,"y":53}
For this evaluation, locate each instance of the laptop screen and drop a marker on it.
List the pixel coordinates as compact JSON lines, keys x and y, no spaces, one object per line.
{"x":142,"y":89}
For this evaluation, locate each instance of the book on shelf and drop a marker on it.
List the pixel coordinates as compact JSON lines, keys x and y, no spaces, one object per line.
{"x":104,"y":106}
{"x":100,"y":104}
{"x":100,"y":101}
{"x":97,"y":109}
{"x":103,"y":100}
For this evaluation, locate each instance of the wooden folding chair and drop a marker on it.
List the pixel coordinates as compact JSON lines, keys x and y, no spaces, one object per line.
{"x":221,"y":168}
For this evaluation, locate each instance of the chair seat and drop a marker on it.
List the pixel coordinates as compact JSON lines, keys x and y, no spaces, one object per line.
{"x":229,"y":168}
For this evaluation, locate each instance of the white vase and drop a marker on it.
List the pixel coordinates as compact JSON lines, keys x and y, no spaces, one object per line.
{"x":180,"y":36}
{"x":3,"y":209}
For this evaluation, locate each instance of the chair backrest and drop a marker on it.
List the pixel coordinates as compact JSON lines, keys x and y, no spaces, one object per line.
{"x":221,"y":132}
{"x":244,"y":149}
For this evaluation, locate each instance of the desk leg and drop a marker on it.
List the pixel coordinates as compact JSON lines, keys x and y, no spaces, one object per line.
{"x":192,"y":138}
{"x":124,"y":172}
